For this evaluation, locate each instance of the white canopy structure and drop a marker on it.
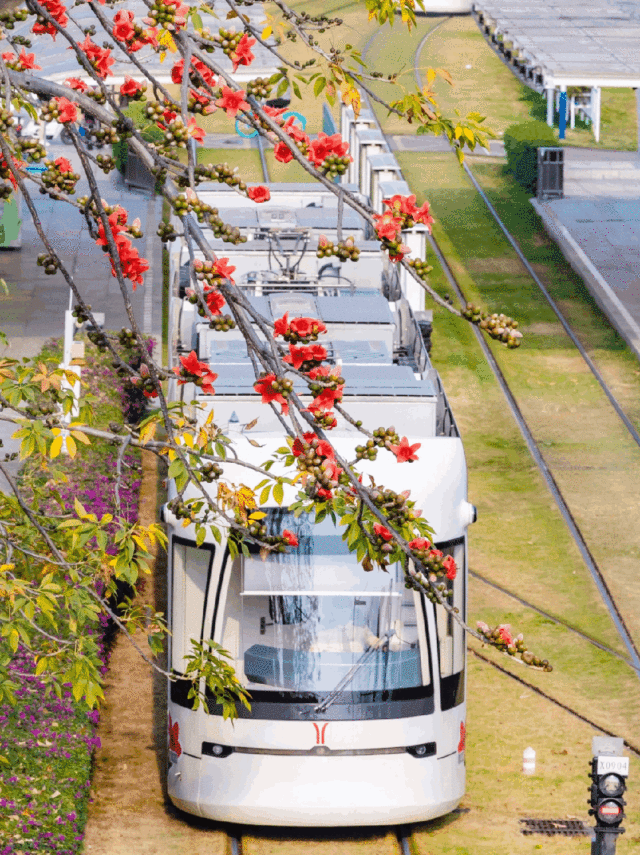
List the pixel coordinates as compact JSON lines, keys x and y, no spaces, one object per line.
{"x":553,"y":44}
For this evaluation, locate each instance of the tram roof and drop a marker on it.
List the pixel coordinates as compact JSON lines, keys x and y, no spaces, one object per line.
{"x":590,"y":44}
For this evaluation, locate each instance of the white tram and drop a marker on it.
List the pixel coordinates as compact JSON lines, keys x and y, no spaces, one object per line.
{"x":357,"y":684}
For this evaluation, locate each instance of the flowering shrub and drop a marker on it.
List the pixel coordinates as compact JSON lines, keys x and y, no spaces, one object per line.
{"x":46,"y":742}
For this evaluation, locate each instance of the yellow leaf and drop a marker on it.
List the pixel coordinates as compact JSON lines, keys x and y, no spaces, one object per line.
{"x":81,"y":437}
{"x":469,"y":135}
{"x":188,"y":440}
{"x":267,"y":32}
{"x":56,"y":447}
{"x":148,"y":432}
{"x":431,"y":75}
{"x":165,"y":39}
{"x":458,"y":132}
{"x":257,"y":515}
{"x":71,"y":446}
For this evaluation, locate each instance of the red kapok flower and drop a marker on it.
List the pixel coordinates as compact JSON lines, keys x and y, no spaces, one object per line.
{"x":449,"y":565}
{"x":214,"y":300}
{"x":264,"y":387}
{"x":281,"y":326}
{"x":63,"y":164}
{"x":405,"y":452}
{"x":76,"y":83}
{"x":298,"y":355}
{"x":242,"y":54}
{"x":387,"y":226}
{"x":67,"y":110}
{"x":297,"y":448}
{"x":130,"y":88}
{"x":422,"y":215}
{"x":231,"y":101}
{"x":194,"y":131}
{"x":322,"y":147}
{"x":192,"y":368}
{"x":259,"y":194}
{"x":419,"y":543}
{"x":382,"y":532}
{"x":304,"y":327}
{"x":282,"y":152}
{"x":321,"y":493}
{"x":504,"y":630}
{"x":288,"y":536}
{"x":123,"y":29}
{"x":224,"y":270}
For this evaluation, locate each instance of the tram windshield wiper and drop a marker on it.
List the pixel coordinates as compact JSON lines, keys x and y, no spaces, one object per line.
{"x":351,"y":673}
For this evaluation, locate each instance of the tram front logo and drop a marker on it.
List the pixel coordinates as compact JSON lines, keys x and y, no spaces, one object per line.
{"x":320,"y":732}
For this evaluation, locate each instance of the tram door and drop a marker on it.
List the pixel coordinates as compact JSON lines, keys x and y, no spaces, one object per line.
{"x":190,"y":573}
{"x":452,"y":654}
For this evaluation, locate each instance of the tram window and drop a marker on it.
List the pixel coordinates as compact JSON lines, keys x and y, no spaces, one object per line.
{"x":190,"y":568}
{"x":311,"y":615}
{"x":451,"y":641}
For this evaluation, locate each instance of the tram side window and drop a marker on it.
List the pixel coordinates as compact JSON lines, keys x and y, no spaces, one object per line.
{"x":190,"y":565}
{"x":451,"y":641}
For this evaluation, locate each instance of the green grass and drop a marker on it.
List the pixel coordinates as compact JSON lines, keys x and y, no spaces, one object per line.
{"x":520,"y":540}
{"x":247,"y":161}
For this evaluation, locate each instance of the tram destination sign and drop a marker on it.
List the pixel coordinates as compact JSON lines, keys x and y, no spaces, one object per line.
{"x":617,"y":765}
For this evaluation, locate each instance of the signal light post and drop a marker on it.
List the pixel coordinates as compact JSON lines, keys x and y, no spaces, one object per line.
{"x":609,"y":771}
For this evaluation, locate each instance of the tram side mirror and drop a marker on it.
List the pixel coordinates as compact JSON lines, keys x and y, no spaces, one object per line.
{"x":264,"y":625}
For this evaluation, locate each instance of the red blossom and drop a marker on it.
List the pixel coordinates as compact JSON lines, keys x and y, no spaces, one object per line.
{"x":231,"y":101}
{"x":419,"y":543}
{"x":382,"y":532}
{"x":67,"y":110}
{"x":504,"y":630}
{"x":304,"y":327}
{"x":405,"y":452}
{"x":259,"y":193}
{"x":76,"y":83}
{"x":331,"y":468}
{"x":298,"y":355}
{"x":22,"y":62}
{"x":132,"y":265}
{"x":297,"y":448}
{"x":282,"y":152}
{"x":63,"y":164}
{"x":193,"y":368}
{"x":224,"y":270}
{"x":194,"y":131}
{"x":242,"y":54}
{"x":57,"y":11}
{"x":281,"y":326}
{"x":264,"y":387}
{"x":449,"y":565}
{"x":130,"y":88}
{"x":214,"y":300}
{"x":387,"y":226}
{"x":422,"y":215}
{"x":402,"y":250}
{"x":288,"y":536}
{"x":100,"y":58}
{"x":321,"y":493}
{"x":325,"y":145}
{"x":123,"y":29}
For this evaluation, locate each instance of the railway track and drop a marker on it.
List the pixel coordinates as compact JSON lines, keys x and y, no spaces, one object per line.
{"x":257,"y":841}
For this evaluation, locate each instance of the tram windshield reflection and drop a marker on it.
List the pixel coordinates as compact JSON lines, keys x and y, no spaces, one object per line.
{"x":309,"y":615}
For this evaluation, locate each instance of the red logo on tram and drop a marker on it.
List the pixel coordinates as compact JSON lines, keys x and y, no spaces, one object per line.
{"x":463,"y":737}
{"x":320,"y":733}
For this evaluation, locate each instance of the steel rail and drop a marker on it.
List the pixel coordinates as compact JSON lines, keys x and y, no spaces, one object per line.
{"x":554,"y":489}
{"x":565,"y":324}
{"x":565,"y":707}
{"x":556,"y":620}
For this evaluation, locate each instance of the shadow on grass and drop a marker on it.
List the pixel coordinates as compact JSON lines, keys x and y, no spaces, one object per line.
{"x":536,"y":101}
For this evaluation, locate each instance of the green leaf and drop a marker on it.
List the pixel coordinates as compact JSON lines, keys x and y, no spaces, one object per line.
{"x":282,"y":88}
{"x":278,"y":493}
{"x":197,"y":20}
{"x":201,"y":533}
{"x":296,"y":89}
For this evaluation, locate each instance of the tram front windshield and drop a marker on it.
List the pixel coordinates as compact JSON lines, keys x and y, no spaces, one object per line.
{"x":314,"y":620}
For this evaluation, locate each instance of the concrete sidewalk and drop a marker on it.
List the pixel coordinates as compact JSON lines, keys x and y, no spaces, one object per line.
{"x":597,"y":226}
{"x":33,"y":311}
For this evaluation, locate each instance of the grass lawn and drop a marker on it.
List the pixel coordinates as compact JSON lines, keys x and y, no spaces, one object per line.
{"x":520,"y":540}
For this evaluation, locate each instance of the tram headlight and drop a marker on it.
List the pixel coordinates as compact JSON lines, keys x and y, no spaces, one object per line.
{"x":425,"y":749}
{"x":214,"y":749}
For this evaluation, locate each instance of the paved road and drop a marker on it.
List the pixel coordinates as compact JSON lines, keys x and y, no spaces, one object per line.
{"x":33,"y":311}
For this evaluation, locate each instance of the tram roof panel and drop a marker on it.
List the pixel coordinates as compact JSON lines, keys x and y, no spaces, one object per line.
{"x":550,"y":32}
